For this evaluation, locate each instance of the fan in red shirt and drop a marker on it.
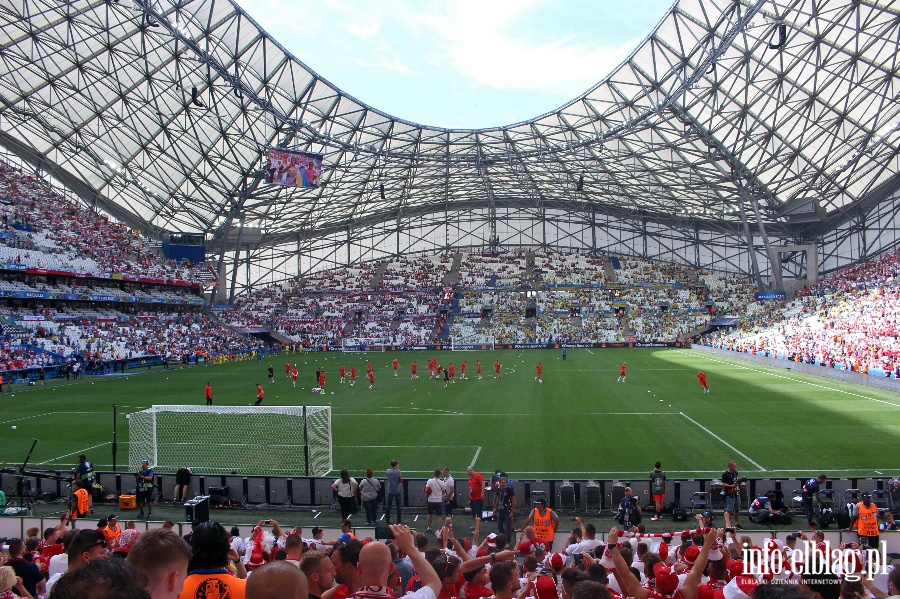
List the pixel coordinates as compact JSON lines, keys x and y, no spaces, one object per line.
{"x":530,"y":543}
{"x":497,"y":367}
{"x":352,"y":375}
{"x":666,"y":579}
{"x":371,"y":380}
{"x":343,"y":372}
{"x":395,"y":364}
{"x":701,"y":376}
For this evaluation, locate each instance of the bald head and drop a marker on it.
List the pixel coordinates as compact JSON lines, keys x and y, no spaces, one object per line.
{"x":277,"y":580}
{"x":374,"y":564}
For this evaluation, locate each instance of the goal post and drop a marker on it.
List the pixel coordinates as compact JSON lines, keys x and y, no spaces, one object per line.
{"x":277,"y":440}
{"x":364,"y":344}
{"x":471,"y":342}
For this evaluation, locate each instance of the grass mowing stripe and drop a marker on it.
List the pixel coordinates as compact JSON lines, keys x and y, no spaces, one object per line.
{"x":724,"y":442}
{"x":787,"y":378}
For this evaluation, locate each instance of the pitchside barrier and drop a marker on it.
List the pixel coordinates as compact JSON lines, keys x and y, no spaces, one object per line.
{"x":566,"y":496}
{"x":449,"y":346}
{"x":16,"y":527}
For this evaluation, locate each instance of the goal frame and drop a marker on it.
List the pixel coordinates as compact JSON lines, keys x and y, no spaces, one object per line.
{"x":464,"y":343}
{"x":355,"y":344}
{"x":311,"y":424}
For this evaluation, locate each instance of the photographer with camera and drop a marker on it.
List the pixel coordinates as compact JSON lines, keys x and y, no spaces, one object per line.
{"x":731,"y":489}
{"x":629,"y":513}
{"x":144,"y":491}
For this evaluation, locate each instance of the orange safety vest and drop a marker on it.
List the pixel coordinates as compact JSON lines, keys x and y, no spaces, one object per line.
{"x":82,"y":503}
{"x":112,"y":536}
{"x":543,"y":525}
{"x":867,"y":524}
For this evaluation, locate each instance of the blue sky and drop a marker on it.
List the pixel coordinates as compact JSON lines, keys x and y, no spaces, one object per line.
{"x":464,"y":63}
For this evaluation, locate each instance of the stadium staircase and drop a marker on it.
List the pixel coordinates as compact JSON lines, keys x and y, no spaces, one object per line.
{"x":452,"y":277}
{"x":379,"y":274}
{"x":609,"y":269}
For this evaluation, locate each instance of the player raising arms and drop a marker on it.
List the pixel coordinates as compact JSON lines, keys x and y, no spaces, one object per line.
{"x":701,"y":376}
{"x":621,"y":378}
{"x":539,"y":371}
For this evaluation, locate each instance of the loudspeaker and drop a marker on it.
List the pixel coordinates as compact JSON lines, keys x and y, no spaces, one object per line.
{"x":197,"y":509}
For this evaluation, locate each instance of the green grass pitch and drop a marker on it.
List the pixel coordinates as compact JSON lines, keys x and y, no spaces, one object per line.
{"x":578,"y":423}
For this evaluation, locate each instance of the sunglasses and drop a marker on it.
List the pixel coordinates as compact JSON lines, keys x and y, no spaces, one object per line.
{"x":101,"y":543}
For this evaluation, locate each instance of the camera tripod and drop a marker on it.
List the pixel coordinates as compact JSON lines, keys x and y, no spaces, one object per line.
{"x":23,"y":497}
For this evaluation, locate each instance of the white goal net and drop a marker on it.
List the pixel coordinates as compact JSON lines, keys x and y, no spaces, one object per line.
{"x":280,"y":440}
{"x":478,"y":340}
{"x":364,"y":344}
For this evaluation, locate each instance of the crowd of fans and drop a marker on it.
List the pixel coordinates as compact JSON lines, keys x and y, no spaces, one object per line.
{"x":537,"y":563}
{"x":44,"y":229}
{"x":849,"y":320}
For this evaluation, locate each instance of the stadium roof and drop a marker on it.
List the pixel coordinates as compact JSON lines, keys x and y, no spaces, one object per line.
{"x":160,"y":113}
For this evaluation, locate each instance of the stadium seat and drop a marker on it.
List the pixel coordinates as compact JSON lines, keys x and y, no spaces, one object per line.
{"x":566,"y":497}
{"x":700,"y":501}
{"x":592,"y":497}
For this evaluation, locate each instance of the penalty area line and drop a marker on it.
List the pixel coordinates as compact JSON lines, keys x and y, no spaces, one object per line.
{"x":475,"y":459}
{"x":80,"y":451}
{"x":725,"y":443}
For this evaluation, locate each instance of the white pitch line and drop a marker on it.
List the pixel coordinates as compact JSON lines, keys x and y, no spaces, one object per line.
{"x":406,"y":446}
{"x":43,"y":415}
{"x":422,"y":409}
{"x":590,"y":352}
{"x":528,"y":414}
{"x":475,"y":459}
{"x":724,"y":442}
{"x":74,"y":453}
{"x":781,"y":376}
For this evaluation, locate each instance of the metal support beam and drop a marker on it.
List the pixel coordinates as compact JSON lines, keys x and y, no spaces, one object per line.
{"x":750,"y":250}
{"x":221,"y":261}
{"x":237,"y":255}
{"x":754,"y":203}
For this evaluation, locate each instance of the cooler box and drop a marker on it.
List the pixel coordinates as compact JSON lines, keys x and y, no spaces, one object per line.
{"x":127,"y":502}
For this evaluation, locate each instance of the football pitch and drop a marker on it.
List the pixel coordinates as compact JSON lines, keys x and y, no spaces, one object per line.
{"x":579,"y":423}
